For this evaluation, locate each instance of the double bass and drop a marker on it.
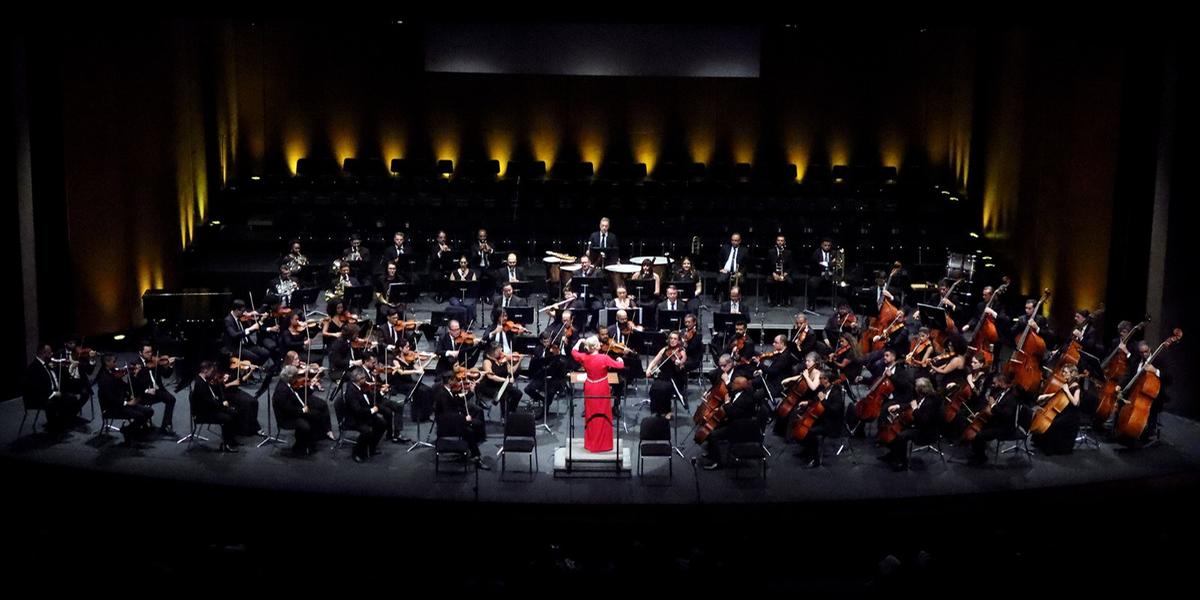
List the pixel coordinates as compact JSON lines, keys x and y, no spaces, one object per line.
{"x":1139,"y":396}
{"x":887,"y":314}
{"x":939,"y":336}
{"x":1115,"y":366}
{"x":986,"y":334}
{"x":1053,"y":407}
{"x":1024,"y":367}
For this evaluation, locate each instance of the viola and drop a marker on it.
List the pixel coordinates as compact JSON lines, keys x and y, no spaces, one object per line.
{"x":918,"y":349}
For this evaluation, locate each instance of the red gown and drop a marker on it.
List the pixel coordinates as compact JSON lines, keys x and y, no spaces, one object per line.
{"x":597,"y":400}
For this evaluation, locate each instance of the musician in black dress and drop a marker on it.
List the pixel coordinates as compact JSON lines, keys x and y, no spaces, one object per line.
{"x":498,"y":369}
{"x":462,"y":307}
{"x":669,"y":375}
{"x":1060,"y":437}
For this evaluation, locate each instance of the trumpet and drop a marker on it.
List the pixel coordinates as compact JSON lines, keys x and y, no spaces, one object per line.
{"x":839,"y":265}
{"x":695,"y":245}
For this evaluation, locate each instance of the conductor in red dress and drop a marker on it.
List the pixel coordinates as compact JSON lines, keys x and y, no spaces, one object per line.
{"x":597,"y":397}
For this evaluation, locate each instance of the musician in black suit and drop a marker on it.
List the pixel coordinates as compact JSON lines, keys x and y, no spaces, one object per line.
{"x":1003,"y":421}
{"x":383,"y":286}
{"x":673,"y":302}
{"x":731,"y":264}
{"x":364,"y":415}
{"x":441,"y":254}
{"x":740,"y":412}
{"x":829,"y":422}
{"x":505,"y":300}
{"x":736,"y":304}
{"x":150,"y":387}
{"x":357,"y":252}
{"x":782,"y":363}
{"x":236,"y":338}
{"x":481,"y":261}
{"x":779,"y":273}
{"x":985,"y":296}
{"x":602,"y":245}
{"x":116,"y":402}
{"x":43,"y":389}
{"x":1088,"y":336}
{"x":302,"y":412}
{"x":588,"y":305}
{"x":820,"y":271}
{"x":1039,"y":326}
{"x":878,"y":364}
{"x":546,"y":369}
{"x":457,"y":404}
{"x":450,"y":351}
{"x":399,"y":252}
{"x":509,"y":272}
{"x":394,"y":338}
{"x":209,"y":405}
{"x":927,"y":413}
{"x":342,"y":353}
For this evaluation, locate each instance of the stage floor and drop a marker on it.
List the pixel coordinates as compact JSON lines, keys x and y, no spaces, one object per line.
{"x":398,"y":473}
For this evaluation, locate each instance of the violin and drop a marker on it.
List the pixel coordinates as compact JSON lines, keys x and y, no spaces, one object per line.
{"x":765,"y":355}
{"x":513,"y":327}
{"x":464,"y":338}
{"x":687,"y":335}
{"x":300,"y":327}
{"x":917,"y":350}
{"x":241,"y":365}
{"x":514,"y":357}
{"x":362,"y":343}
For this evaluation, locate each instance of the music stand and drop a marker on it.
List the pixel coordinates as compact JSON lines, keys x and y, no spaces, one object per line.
{"x":400,"y":292}
{"x":647,"y":343}
{"x":305,"y":297}
{"x":725,"y":321}
{"x":586,"y":287}
{"x":610,"y":315}
{"x":640,"y":288}
{"x":519,"y":314}
{"x":671,"y":319}
{"x":521,"y":289}
{"x":358,"y":296}
{"x":686,"y":287}
{"x":933,"y":317}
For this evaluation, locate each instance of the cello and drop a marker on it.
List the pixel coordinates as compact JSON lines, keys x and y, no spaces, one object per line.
{"x":1024,"y":366}
{"x":1139,"y":396}
{"x":711,"y":411}
{"x":794,"y":394}
{"x":813,"y":411}
{"x":1115,"y":366}
{"x":869,"y":407}
{"x":887,"y":314}
{"x":1055,"y":404}
{"x":962,"y":394}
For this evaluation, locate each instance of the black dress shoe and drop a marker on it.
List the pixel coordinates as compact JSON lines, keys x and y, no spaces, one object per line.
{"x":359,"y":459}
{"x":812,"y":464}
{"x":227,"y":448}
{"x":401,"y":440}
{"x":479,"y":464}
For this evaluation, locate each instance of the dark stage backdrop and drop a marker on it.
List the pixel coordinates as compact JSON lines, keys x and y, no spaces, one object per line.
{"x":142,"y":121}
